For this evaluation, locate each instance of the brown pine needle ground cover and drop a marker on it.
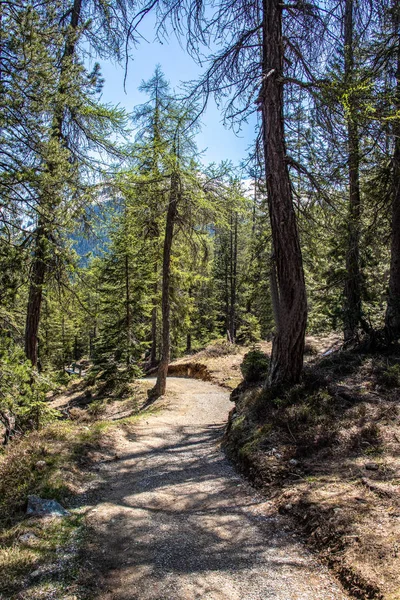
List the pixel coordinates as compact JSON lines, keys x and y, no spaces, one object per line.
{"x":328,"y":452}
{"x":219,"y":363}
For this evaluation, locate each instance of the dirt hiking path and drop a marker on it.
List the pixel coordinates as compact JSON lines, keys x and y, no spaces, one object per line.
{"x":175,"y":522}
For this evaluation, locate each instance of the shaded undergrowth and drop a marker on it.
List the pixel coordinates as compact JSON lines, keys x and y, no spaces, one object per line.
{"x":328,"y":450}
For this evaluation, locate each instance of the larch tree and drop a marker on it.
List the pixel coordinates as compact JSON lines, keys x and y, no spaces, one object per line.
{"x":392,"y":318}
{"x":77,"y":126}
{"x":178,"y":161}
{"x":291,"y":313}
{"x":151,"y":142}
{"x":163,"y":149}
{"x":352,"y":292}
{"x":55,"y":168}
{"x":267,"y":48}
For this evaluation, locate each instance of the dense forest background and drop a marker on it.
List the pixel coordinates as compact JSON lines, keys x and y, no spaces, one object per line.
{"x":118,"y":245}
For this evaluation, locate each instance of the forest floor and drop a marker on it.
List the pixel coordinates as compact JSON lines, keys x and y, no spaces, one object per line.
{"x":327,"y":453}
{"x":220,"y":362}
{"x":171,"y":519}
{"x":157,"y":511}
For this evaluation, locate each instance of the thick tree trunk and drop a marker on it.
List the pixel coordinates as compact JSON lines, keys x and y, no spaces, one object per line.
{"x":392,"y":318}
{"x":38,"y":273}
{"x":288,"y":344}
{"x":352,"y":293}
{"x":160,"y":387}
{"x":273,"y":286}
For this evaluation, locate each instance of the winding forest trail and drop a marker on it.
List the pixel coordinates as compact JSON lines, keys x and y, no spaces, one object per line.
{"x":175,"y":522}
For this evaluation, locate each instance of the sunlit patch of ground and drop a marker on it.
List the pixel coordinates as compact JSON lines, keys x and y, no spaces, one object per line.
{"x":328,"y":452}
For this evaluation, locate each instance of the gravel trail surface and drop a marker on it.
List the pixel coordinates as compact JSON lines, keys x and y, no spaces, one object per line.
{"x":175,"y":522}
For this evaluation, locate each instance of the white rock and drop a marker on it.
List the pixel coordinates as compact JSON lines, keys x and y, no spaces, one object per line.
{"x":40,"y":507}
{"x":27,"y":538}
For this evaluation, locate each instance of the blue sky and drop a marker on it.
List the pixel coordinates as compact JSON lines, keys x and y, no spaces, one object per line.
{"x":218,"y":142}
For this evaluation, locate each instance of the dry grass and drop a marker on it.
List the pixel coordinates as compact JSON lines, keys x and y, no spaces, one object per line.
{"x":328,"y":451}
{"x":37,"y":555}
{"x":39,"y":559}
{"x":222,"y":360}
{"x":55,"y":463}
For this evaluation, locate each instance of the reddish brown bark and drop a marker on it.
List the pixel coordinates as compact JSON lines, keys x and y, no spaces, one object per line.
{"x":352,"y":289}
{"x":392,"y":319}
{"x":38,"y":273}
{"x":288,"y":344}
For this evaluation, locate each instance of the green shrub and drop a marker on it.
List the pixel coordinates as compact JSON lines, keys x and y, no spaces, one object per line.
{"x":391,"y":376}
{"x":22,"y":392}
{"x":255,"y":366}
{"x":61,"y":378}
{"x":97,"y":408}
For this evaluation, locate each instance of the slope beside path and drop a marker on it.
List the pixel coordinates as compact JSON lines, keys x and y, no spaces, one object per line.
{"x":174,"y":521}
